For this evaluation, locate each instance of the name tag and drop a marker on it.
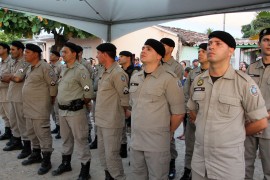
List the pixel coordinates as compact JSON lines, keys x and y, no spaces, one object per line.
{"x":254,"y":75}
{"x":199,"y":89}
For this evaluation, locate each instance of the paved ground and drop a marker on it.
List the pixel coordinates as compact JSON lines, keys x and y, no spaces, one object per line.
{"x":11,"y":168}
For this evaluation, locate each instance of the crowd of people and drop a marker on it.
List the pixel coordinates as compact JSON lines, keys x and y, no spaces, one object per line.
{"x":225,"y":111}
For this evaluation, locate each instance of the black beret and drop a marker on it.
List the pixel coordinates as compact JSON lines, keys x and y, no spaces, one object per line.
{"x":71,"y":46}
{"x":5,"y":46}
{"x":156,"y":45}
{"x":203,"y":46}
{"x":33,"y":47}
{"x":195,"y":60}
{"x":264,"y":32}
{"x":125,"y":53}
{"x":18,"y":44}
{"x":55,"y":53}
{"x":80,"y":49}
{"x":168,"y":42}
{"x":225,"y":37}
{"x":106,"y":47}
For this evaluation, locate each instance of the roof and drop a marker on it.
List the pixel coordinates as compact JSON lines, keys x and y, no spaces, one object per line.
{"x":188,"y":38}
{"x":111,"y":19}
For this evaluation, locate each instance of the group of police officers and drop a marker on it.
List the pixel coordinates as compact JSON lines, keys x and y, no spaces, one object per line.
{"x":228,"y":111}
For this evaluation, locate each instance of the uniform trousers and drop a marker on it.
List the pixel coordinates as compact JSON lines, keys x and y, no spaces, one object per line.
{"x":17,"y":120}
{"x":92,"y":126}
{"x":55,"y":112}
{"x":147,"y":165}
{"x":109,"y":142}
{"x":39,"y":133}
{"x":74,"y":129}
{"x":173,"y":150}
{"x":196,"y":176}
{"x":4,"y":113}
{"x":252,"y":144}
{"x":189,"y":141}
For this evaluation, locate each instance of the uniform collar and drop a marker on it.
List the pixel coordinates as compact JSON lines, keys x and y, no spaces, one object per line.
{"x":73,"y":65}
{"x":260,"y":64}
{"x":112,"y":67}
{"x":39,"y":63}
{"x":170,"y":61}
{"x":6,"y":60}
{"x":155,"y":73}
{"x":229,"y":74}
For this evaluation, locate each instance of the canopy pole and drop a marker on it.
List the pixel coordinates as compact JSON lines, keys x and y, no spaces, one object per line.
{"x":109,"y":33}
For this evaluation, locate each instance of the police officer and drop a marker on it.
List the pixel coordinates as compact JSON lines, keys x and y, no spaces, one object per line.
{"x":125,"y":60}
{"x":157,"y":101}
{"x":55,"y":63}
{"x":259,"y":71}
{"x":221,"y":101}
{"x":38,"y":95}
{"x":169,"y":63}
{"x":14,"y":95}
{"x":111,"y":110}
{"x":75,"y":90}
{"x":190,"y":127}
{"x":4,"y":105}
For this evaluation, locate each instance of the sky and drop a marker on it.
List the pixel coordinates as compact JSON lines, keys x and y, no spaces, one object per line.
{"x":233,"y":23}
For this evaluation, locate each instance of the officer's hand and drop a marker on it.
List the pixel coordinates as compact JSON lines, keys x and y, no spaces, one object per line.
{"x":52,"y":100}
{"x":6,"y":78}
{"x":127,"y":113}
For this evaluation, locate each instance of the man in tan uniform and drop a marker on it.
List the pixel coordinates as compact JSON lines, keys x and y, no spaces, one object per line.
{"x":4,"y":104}
{"x":157,"y":101}
{"x":169,"y":63}
{"x":17,"y":120}
{"x":111,"y":110}
{"x":55,"y":63}
{"x":221,"y":101}
{"x":190,"y":127}
{"x":259,"y":71}
{"x":38,"y":94}
{"x":75,"y":90}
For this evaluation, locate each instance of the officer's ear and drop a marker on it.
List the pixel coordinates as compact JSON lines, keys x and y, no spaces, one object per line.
{"x":231,"y":51}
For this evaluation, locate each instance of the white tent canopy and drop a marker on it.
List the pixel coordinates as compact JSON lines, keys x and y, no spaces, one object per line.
{"x":110,"y":19}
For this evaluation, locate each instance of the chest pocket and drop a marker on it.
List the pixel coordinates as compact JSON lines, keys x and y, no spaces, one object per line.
{"x":198,"y":97}
{"x":229,"y":106}
{"x":104,"y":85}
{"x":154,"y":96}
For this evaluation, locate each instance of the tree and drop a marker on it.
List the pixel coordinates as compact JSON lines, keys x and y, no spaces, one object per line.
{"x":8,"y":38}
{"x":261,"y":21}
{"x":26,"y":25}
{"x":209,"y":31}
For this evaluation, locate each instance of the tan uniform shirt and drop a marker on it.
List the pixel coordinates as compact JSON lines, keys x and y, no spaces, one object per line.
{"x":175,"y":67}
{"x":4,"y":68}
{"x":87,"y":65}
{"x":153,"y":100}
{"x":261,"y":75}
{"x":39,"y":86}
{"x":97,"y":72}
{"x":191,"y":76}
{"x":74,"y":83}
{"x":112,"y":95}
{"x":222,"y":109}
{"x":15,"y":89}
{"x":57,"y":67}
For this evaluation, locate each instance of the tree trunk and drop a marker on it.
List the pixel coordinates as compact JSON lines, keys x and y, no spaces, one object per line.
{"x":60,"y":40}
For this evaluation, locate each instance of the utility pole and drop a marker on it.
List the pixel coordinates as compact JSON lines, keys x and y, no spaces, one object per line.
{"x":224,"y":19}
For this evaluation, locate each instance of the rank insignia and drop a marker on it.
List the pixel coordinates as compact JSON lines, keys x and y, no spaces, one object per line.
{"x":123,"y":78}
{"x":52,"y":83}
{"x":253,"y":90}
{"x":200,"y":82}
{"x":125,"y":91}
{"x":20,"y":70}
{"x":51,"y":74}
{"x":86,"y":88}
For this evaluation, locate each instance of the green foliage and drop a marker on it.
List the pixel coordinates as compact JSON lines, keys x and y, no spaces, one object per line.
{"x":261,"y":21}
{"x":26,"y":25}
{"x":8,"y":38}
{"x":208,"y":31}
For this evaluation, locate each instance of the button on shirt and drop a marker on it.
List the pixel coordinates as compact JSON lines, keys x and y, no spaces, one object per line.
{"x":112,"y":95}
{"x":261,"y":75}
{"x":37,"y":90}
{"x":154,"y":99}
{"x":74,"y":83}
{"x":222,"y":109}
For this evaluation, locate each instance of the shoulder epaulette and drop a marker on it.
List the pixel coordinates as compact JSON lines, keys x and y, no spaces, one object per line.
{"x":172,"y":73}
{"x":243,"y":75}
